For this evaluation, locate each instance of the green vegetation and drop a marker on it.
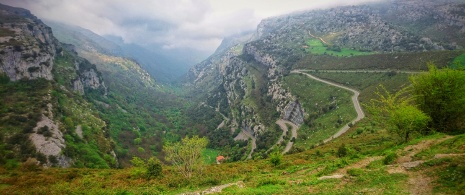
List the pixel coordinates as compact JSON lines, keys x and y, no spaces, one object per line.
{"x":297,"y":173}
{"x":384,"y":61}
{"x":367,"y":82}
{"x":440,"y":94}
{"x":395,"y":113}
{"x":328,"y":108}
{"x":21,"y":105}
{"x":150,"y":169}
{"x":315,"y":46}
{"x":458,"y":62}
{"x":276,"y":157}
{"x":186,"y":155}
{"x":209,"y":155}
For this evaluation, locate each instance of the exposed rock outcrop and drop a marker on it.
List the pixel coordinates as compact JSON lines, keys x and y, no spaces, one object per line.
{"x":294,"y":113}
{"x":27,"y":45}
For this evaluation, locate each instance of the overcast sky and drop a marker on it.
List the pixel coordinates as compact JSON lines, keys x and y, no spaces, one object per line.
{"x":199,"y":24}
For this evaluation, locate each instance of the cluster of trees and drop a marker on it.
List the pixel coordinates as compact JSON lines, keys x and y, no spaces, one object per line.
{"x":186,"y":156}
{"x":434,"y":101}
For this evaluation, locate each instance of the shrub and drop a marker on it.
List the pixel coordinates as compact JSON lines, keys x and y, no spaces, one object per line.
{"x":276,"y":158}
{"x":151,"y":169}
{"x":439,"y":94}
{"x":355,"y":172}
{"x":154,"y":168}
{"x":31,"y":164}
{"x":33,"y":69}
{"x":342,"y":151}
{"x":390,"y":158}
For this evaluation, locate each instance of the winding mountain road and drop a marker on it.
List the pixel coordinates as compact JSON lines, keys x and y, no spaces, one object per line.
{"x":245,"y":135}
{"x":355,"y":101}
{"x":282,"y":123}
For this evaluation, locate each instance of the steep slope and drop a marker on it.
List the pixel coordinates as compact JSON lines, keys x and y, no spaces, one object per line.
{"x":140,"y":113}
{"x":44,"y":118}
{"x":164,"y":65}
{"x":249,"y":82}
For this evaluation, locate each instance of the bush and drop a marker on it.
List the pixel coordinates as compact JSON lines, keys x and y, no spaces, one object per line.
{"x":151,"y":169}
{"x":440,"y":94}
{"x":390,"y":158}
{"x":154,"y":168}
{"x":276,"y":158}
{"x":355,"y":172}
{"x":31,"y":164}
{"x":342,"y":151}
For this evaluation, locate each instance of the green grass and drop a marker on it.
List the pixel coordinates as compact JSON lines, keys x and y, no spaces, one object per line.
{"x":298,"y":174}
{"x":327,"y":103}
{"x":315,"y":46}
{"x":451,"y":146}
{"x":459,"y":62}
{"x":367,"y":83}
{"x":209,"y":155}
{"x":393,"y":61}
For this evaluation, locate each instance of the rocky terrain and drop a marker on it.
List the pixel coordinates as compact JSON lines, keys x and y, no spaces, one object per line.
{"x":261,"y":60}
{"x":29,"y":52}
{"x":27,"y":46}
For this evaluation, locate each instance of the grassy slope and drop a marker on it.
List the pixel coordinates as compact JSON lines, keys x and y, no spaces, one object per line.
{"x":298,"y":174}
{"x":367,"y":83}
{"x":317,"y":47}
{"x":317,"y":99}
{"x":400,"y":61}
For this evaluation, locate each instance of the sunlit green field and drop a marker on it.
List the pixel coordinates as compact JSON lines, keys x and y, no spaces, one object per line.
{"x":315,"y":46}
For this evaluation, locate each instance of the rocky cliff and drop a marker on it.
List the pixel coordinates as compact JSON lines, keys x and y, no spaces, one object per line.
{"x":43,"y":73}
{"x":244,"y":80}
{"x":27,"y":46}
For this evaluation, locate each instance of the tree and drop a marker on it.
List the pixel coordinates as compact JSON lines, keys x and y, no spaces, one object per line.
{"x":408,"y":119}
{"x":395,"y":113}
{"x":440,"y":93}
{"x":151,"y":168}
{"x":186,"y":155}
{"x":342,"y":151}
{"x":276,"y":157}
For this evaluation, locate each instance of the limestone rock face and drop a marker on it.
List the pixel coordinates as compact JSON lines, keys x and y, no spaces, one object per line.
{"x":27,"y":46}
{"x":294,"y":113}
{"x":88,"y":77}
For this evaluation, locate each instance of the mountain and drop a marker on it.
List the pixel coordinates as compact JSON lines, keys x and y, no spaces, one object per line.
{"x":43,"y":116}
{"x":78,"y":105}
{"x":284,"y":106}
{"x":165,"y":65}
{"x":249,"y":82}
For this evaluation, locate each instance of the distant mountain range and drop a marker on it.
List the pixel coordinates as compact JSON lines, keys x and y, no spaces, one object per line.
{"x":165,"y":65}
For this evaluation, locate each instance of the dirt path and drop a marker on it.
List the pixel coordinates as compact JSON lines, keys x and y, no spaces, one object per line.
{"x":418,"y":182}
{"x":355,"y":101}
{"x":245,"y":135}
{"x":216,"y":189}
{"x":321,"y":39}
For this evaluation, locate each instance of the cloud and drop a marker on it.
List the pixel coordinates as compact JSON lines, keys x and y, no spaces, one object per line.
{"x":198,"y":24}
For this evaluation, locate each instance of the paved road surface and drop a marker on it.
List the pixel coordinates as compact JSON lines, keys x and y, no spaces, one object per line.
{"x":282,"y":123}
{"x":355,"y":101}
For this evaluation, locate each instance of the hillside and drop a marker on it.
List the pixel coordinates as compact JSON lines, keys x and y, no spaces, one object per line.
{"x":96,"y":112}
{"x":251,"y":85}
{"x":165,"y":66}
{"x":43,"y":117}
{"x":346,"y":100}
